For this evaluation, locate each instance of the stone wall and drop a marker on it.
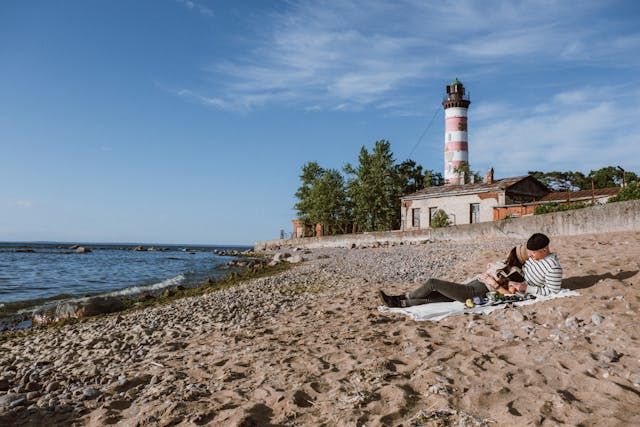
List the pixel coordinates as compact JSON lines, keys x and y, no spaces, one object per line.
{"x":621,"y":216}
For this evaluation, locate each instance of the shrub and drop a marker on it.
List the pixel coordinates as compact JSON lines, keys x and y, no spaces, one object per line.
{"x":630,"y":192}
{"x":559,"y":207}
{"x":440,"y":219}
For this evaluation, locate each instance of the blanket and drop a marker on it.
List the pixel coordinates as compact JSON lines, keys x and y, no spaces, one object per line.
{"x":439,"y":310}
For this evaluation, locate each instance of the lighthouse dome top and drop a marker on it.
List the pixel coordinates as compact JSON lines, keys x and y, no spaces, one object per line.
{"x":456,"y":82}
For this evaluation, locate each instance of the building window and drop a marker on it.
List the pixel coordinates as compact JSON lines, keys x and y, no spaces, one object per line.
{"x":432,"y":213}
{"x":415,"y":214}
{"x":474,"y":213}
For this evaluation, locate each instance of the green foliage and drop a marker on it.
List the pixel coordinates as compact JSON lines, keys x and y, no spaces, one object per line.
{"x":369,"y":200}
{"x":311,"y":172}
{"x":374,"y":189}
{"x":630,"y":192}
{"x":558,"y":207}
{"x":468,"y":173}
{"x":440,"y":219}
{"x":322,"y":198}
{"x":606,"y":177}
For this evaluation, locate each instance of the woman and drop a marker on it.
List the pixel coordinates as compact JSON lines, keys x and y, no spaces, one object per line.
{"x":495,"y":279}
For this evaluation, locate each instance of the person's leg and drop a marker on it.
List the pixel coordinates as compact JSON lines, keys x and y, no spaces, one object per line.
{"x":455,"y":291}
{"x":434,"y":296}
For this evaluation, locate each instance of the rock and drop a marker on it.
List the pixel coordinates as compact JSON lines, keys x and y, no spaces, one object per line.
{"x":32,"y":395}
{"x":91,"y":393}
{"x":596,"y":319}
{"x":507,"y":335}
{"x":517,"y":316}
{"x":295,"y":259}
{"x":528,"y":329}
{"x":281,"y":256}
{"x":571,"y":322}
{"x":53,"y":386}
{"x":77,"y":309}
{"x":9,"y":398}
{"x":140,"y":249}
{"x":33,"y":386}
{"x":409,"y":350}
{"x":4,"y":384}
{"x":610,"y":356}
{"x":83,"y":250}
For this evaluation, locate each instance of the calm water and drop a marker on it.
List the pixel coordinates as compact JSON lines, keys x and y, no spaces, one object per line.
{"x":52,"y":272}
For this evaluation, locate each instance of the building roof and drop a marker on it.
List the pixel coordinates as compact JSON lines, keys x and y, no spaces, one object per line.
{"x":559,"y":196}
{"x":455,"y":190}
{"x":455,"y":82}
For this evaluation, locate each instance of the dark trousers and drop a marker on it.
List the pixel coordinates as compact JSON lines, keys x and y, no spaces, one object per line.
{"x":436,"y":290}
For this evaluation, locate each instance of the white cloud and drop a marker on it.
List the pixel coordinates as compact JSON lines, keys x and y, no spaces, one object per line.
{"x":20,"y":203}
{"x":366,"y":53}
{"x":197,"y":6}
{"x":583,"y":127}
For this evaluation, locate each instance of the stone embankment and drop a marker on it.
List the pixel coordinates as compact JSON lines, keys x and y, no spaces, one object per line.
{"x":612,"y":217}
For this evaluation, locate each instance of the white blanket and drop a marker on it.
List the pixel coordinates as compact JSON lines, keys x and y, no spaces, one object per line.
{"x":439,"y":310}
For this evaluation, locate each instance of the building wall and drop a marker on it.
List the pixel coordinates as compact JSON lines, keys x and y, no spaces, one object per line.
{"x":612,"y":217}
{"x":458,"y":208}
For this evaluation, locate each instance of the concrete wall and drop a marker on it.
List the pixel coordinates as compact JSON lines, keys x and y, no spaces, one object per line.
{"x":621,"y":216}
{"x":458,"y":208}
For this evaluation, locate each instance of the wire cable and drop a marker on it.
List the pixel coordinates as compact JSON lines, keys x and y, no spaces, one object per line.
{"x":424,"y":132}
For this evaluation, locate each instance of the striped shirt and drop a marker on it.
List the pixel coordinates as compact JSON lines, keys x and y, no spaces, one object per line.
{"x":543,"y":277}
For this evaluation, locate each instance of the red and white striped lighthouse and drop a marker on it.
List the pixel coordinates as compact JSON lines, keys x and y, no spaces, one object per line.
{"x":456,"y":143}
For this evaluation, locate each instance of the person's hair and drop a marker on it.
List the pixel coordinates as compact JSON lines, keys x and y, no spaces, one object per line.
{"x":537,"y":241}
{"x":512,"y":259}
{"x":512,"y":265}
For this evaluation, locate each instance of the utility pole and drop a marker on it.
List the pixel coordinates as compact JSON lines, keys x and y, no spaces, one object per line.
{"x":623,"y":175}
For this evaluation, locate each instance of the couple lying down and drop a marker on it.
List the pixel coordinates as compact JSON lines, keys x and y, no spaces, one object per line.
{"x":531,"y":269}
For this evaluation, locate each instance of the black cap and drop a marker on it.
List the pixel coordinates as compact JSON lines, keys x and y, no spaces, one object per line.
{"x":537,"y":241}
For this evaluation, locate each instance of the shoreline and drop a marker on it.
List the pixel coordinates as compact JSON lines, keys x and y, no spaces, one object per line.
{"x":24,"y":314}
{"x":308,"y":346}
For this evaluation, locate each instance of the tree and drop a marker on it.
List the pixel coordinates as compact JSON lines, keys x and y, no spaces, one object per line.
{"x":410,"y":176}
{"x":433,"y":179}
{"x":329,"y":202}
{"x":605,"y":177}
{"x":468,"y":173}
{"x":440,"y":219}
{"x":311,"y":172}
{"x":374,"y":189}
{"x":609,"y":176}
{"x":630,"y":192}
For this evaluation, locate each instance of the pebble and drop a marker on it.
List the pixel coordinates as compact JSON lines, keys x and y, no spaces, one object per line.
{"x":610,"y":356}
{"x":571,"y":322}
{"x":507,"y":335}
{"x":62,"y":364}
{"x":90,"y":393}
{"x":517,"y":316}
{"x":596,"y":319}
{"x":409,"y":350}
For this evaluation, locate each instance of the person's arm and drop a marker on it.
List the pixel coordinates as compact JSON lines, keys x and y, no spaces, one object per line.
{"x":520,"y":287}
{"x":488,"y":280}
{"x":552,"y":281}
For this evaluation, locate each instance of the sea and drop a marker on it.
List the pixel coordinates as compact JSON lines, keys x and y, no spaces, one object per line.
{"x":32,"y":274}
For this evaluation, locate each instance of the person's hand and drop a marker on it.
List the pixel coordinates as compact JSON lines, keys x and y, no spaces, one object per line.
{"x":520,"y":287}
{"x":487,"y":279}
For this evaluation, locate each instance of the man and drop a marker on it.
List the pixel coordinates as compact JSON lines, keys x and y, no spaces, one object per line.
{"x":542,"y":270}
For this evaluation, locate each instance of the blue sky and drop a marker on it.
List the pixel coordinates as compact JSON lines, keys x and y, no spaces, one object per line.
{"x":188,"y":121}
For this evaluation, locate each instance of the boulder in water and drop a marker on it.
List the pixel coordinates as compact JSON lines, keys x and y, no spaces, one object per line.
{"x":77,"y":309}
{"x":82,"y":250}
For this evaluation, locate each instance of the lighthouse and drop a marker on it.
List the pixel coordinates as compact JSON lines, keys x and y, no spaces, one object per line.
{"x":456,"y":143}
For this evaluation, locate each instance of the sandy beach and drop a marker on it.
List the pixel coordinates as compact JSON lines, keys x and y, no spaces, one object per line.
{"x":309,"y":347}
